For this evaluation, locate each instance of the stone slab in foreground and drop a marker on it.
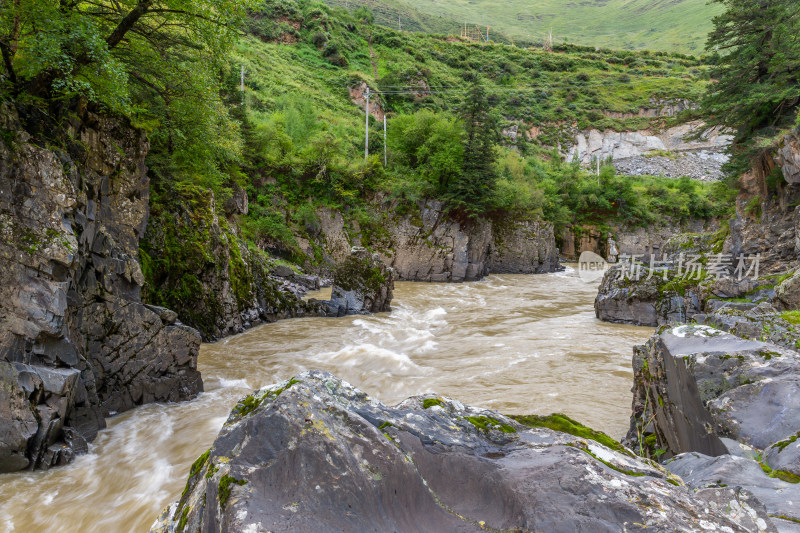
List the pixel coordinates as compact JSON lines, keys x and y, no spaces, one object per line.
{"x":315,"y":454}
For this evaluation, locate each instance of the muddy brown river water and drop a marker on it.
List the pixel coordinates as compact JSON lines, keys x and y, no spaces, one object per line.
{"x":518,"y":344}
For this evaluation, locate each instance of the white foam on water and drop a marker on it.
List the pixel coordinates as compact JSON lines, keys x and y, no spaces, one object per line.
{"x":567,"y":272}
{"x":234,"y":384}
{"x":370,"y":357}
{"x":48,"y":498}
{"x":148,"y":482}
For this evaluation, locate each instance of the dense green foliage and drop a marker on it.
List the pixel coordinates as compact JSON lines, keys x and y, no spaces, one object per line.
{"x":679,"y":25}
{"x":472,"y":190}
{"x":294,"y":139}
{"x":758,"y":73}
{"x":156,"y":60}
{"x":304,"y":135}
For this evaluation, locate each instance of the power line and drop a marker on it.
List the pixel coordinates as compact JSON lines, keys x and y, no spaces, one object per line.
{"x":444,"y":89}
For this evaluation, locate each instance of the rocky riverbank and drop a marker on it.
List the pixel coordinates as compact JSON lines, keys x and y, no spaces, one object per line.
{"x":716,"y":390}
{"x":763,"y":234}
{"x":432,"y":246}
{"x":76,"y":342}
{"x":315,"y":454}
{"x":723,"y":411}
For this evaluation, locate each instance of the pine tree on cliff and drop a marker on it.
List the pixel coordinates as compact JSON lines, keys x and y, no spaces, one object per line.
{"x":472,"y":192}
{"x":758,"y":73}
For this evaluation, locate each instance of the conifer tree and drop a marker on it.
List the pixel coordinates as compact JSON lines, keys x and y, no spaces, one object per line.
{"x":473,"y":190}
{"x":756,"y":87}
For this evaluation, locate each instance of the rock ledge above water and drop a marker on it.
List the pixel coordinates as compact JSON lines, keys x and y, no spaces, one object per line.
{"x":315,"y":454}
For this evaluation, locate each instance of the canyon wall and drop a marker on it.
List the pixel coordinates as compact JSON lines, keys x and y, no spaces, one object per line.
{"x":432,"y":246}
{"x":76,"y":343}
{"x":197,"y":264}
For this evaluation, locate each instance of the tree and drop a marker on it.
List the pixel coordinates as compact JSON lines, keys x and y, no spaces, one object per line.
{"x":429,"y":143}
{"x":473,"y":189}
{"x":157,"y":60}
{"x":757,"y":87}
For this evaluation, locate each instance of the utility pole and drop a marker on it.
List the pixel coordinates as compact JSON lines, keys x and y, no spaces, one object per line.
{"x":242,"y":84}
{"x":366,"y":129}
{"x":385,"y":157}
{"x":399,"y":24}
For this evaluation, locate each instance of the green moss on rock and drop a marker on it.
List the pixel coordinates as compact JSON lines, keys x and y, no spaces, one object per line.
{"x":226,"y":483}
{"x":487,"y":423}
{"x":564,"y":424}
{"x":427,"y":403}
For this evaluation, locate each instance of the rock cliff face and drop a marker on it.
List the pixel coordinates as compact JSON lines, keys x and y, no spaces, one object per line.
{"x":766,"y":226}
{"x":315,"y":454}
{"x":642,"y":242}
{"x":433,"y":247}
{"x":197,"y":265}
{"x":632,"y":151}
{"x":727,"y":407}
{"x":767,"y":219}
{"x":76,"y":343}
{"x":631,"y":294}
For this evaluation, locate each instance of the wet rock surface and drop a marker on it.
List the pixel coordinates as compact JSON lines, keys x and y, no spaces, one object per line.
{"x":650,"y":300}
{"x":725,"y":411}
{"x":781,"y":499}
{"x":315,"y":454}
{"x":751,"y":321}
{"x":432,"y":246}
{"x":76,"y":343}
{"x":363,"y":284}
{"x":695,"y":384}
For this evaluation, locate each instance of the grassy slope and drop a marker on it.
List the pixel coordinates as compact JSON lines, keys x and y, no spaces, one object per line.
{"x":558,"y":91}
{"x":529,"y":86}
{"x":672,"y":25}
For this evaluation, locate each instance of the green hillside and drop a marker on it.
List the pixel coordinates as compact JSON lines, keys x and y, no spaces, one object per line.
{"x":317,"y":54}
{"x":671,"y":25}
{"x":304,"y":134}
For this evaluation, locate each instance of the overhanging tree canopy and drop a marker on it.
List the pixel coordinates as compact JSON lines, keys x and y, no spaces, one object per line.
{"x":756,"y":91}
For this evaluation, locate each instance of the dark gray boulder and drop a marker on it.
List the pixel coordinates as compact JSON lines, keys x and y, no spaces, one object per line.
{"x":784,"y":455}
{"x":363,"y":284}
{"x":646,"y":300}
{"x":695,"y":384}
{"x":787,"y":294}
{"x":315,"y":454}
{"x":781,"y":499}
{"x":282,"y":271}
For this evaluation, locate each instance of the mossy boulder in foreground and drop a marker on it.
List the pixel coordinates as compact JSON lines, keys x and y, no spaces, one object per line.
{"x":315,"y":454}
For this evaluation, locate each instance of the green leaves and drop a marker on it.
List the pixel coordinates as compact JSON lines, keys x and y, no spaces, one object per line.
{"x":430,"y":144}
{"x":758,"y":74}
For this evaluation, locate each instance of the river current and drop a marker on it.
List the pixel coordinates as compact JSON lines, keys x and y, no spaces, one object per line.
{"x":518,"y":344}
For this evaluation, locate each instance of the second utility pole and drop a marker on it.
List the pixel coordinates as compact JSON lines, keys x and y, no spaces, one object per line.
{"x":366,"y":130}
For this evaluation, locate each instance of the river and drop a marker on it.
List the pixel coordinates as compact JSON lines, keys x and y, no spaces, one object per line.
{"x":518,"y":344}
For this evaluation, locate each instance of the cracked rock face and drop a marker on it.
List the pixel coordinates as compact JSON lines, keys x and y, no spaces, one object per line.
{"x":434,"y":247}
{"x":76,"y":343}
{"x":696,"y":384}
{"x":315,"y":454}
